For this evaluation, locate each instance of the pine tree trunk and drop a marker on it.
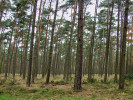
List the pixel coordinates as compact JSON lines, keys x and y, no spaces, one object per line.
{"x":9,"y":48}
{"x":2,"y":9}
{"x":79,"y":56}
{"x":108,"y":42}
{"x":15,"y":61}
{"x":45,"y":45}
{"x":127,"y":69}
{"x":51,"y":45}
{"x":117,"y":50}
{"x":22,"y":53}
{"x":36,"y":51}
{"x":31,"y":46}
{"x":68,"y":54}
{"x":123,"y":48}
{"x":26,"y":48}
{"x":90,"y":69}
{"x":56,"y":45}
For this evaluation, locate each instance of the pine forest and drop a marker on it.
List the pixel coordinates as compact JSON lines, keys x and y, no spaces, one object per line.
{"x":66,"y":49}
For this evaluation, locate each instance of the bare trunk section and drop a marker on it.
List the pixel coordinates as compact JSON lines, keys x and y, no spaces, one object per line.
{"x":26,"y":48}
{"x":45,"y":45}
{"x":31,"y":46}
{"x":2,"y":9}
{"x":36,"y":52}
{"x":51,"y":45}
{"x":68,"y":53}
{"x":108,"y":42}
{"x":123,"y":48}
{"x":79,"y":56}
{"x":9,"y":48}
{"x":56,"y":45}
{"x":117,"y":50}
{"x":90,"y":69}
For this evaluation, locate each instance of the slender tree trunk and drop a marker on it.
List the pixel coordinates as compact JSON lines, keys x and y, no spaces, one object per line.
{"x":51,"y":45}
{"x":108,"y":42}
{"x":56,"y":45}
{"x":26,"y":49}
{"x":45,"y":45}
{"x":2,"y":10}
{"x":15,"y":60}
{"x":36,"y":52}
{"x":110,"y":67}
{"x":79,"y":56}
{"x":127,"y":69}
{"x":92,"y":45}
{"x":117,"y":50}
{"x":9,"y":49}
{"x":123,"y":45}
{"x":16,"y":49}
{"x":22,"y":53}
{"x":3,"y":61}
{"x":68,"y":54}
{"x":59,"y":56}
{"x":103,"y":56}
{"x":31,"y":46}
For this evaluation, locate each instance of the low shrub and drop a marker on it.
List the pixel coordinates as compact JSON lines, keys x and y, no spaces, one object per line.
{"x":2,"y":81}
{"x":129,"y":76}
{"x":11,"y":83}
{"x":92,"y":80}
{"x":59,"y":82}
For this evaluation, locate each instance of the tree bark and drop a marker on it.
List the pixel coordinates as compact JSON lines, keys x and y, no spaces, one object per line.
{"x":9,"y":48}
{"x":92,"y":45}
{"x":117,"y":50}
{"x":45,"y":44}
{"x":36,"y":52}
{"x":26,"y":49}
{"x":108,"y":42}
{"x":2,"y":10}
{"x":123,"y":48}
{"x":68,"y":53}
{"x":31,"y":46}
{"x":51,"y":45}
{"x":79,"y":56}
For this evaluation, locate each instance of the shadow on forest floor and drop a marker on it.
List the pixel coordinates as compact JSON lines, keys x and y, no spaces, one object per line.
{"x":58,"y":89}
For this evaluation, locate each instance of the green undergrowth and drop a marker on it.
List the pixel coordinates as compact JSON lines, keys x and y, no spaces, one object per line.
{"x":77,"y":98}
{"x":18,"y":93}
{"x":93,"y":89}
{"x":129,"y":77}
{"x":61,"y":82}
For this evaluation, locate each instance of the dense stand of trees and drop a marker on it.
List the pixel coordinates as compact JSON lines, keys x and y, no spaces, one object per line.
{"x":62,"y":38}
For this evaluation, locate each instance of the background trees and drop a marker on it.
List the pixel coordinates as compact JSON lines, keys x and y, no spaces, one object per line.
{"x":35,"y":39}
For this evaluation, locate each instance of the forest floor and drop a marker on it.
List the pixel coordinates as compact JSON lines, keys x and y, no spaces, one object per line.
{"x":58,"y":89}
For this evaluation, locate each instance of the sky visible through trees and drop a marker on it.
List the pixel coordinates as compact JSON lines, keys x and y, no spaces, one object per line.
{"x":78,"y":41}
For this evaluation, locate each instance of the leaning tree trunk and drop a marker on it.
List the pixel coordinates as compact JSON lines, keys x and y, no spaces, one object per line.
{"x":31,"y":45}
{"x":79,"y":56}
{"x":123,"y":48}
{"x":51,"y":45}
